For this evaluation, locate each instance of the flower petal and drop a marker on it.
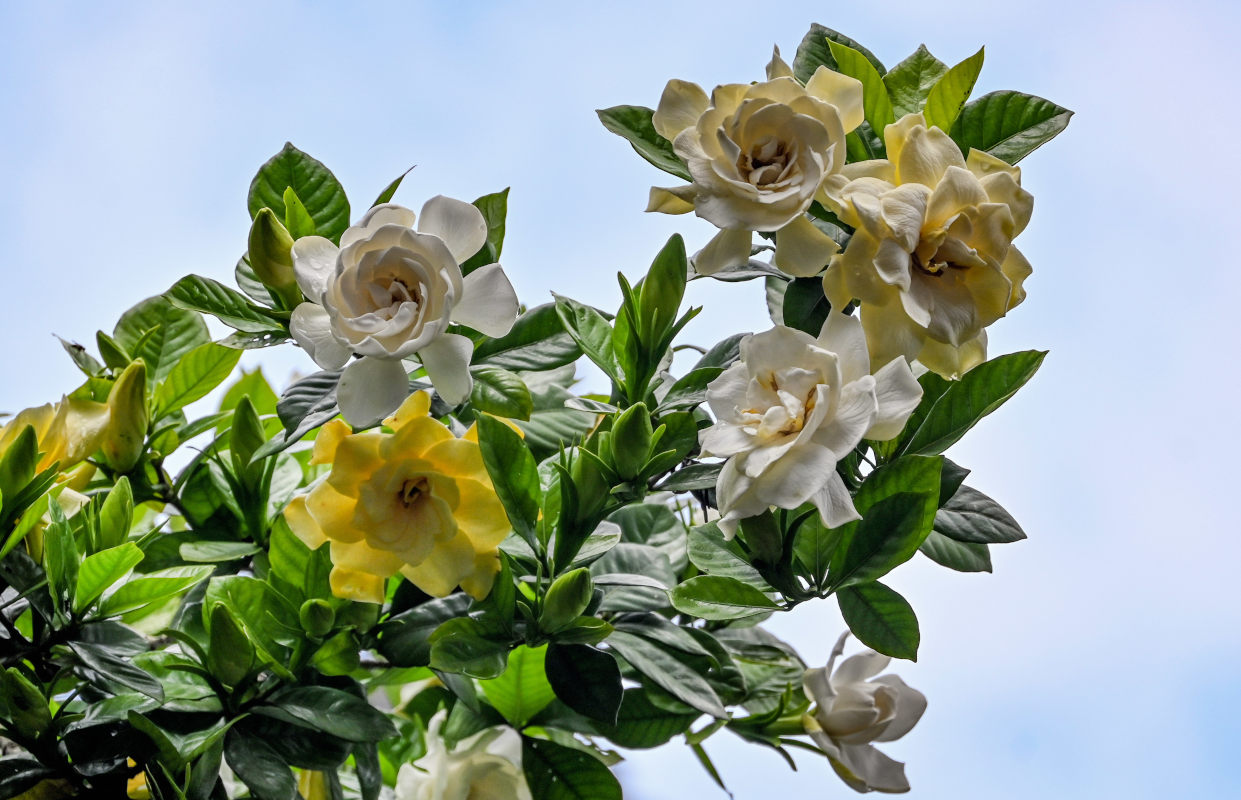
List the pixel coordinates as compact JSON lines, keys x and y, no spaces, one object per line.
{"x":898,"y":393}
{"x":447,"y":361}
{"x":843,"y":335}
{"x":680,"y":106}
{"x":802,"y":250}
{"x":841,"y":91}
{"x":488,"y":303}
{"x":674,"y":200}
{"x":371,"y":389}
{"x":926,"y":155}
{"x":727,"y":248}
{"x":311,"y":327}
{"x":860,"y":667}
{"x":460,"y":225}
{"x":834,"y":502}
{"x":910,"y":706}
{"x":778,"y":67}
{"x":314,"y":264}
{"x":871,"y":769}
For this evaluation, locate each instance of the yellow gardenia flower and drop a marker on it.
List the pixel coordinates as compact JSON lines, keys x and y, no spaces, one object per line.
{"x":417,"y":501}
{"x":932,"y":260}
{"x":67,"y":432}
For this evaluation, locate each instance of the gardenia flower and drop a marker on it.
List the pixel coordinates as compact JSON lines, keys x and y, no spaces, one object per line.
{"x":67,"y":432}
{"x":417,"y":501}
{"x":792,"y":407}
{"x":389,"y":292}
{"x":932,"y":260}
{"x":758,"y":154}
{"x":851,"y":711}
{"x":486,"y":766}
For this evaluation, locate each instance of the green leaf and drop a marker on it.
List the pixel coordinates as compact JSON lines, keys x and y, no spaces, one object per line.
{"x":152,"y":588}
{"x":910,"y":81}
{"x":814,"y":546}
{"x":641,"y":725}
{"x":494,"y":208}
{"x":310,"y":397}
{"x":194,"y":376}
{"x":556,"y":772}
{"x":814,"y":52}
{"x":316,"y":186}
{"x":513,"y":474}
{"x":259,"y":766}
{"x":18,"y":462}
{"x":710,"y":552}
{"x":971,"y":516}
{"x":500,"y":392}
{"x":717,"y":597}
{"x":196,"y":293}
{"x":960,"y":556}
{"x":693,"y":477}
{"x":296,"y":218}
{"x":690,"y":390}
{"x":964,"y":402}
{"x":331,"y":711}
{"x":522,"y":691}
{"x":19,"y":774}
{"x":881,"y":619}
{"x":116,"y":514}
{"x":260,"y":610}
{"x":948,"y":95}
{"x":461,"y":645}
{"x":661,"y":292}
{"x":160,"y":334}
{"x":566,"y":600}
{"x":213,"y":552}
{"x":592,"y":333}
{"x":633,"y":124}
{"x":405,"y":639}
{"x":104,"y":667}
{"x":586,"y":680}
{"x":100,"y":570}
{"x":805,"y":305}
{"x":875,"y":101}
{"x":386,"y":195}
{"x":537,"y":342}
{"x":666,"y":671}
{"x":1009,"y":125}
{"x":84,"y":360}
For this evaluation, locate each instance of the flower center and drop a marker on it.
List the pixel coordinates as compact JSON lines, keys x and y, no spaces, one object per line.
{"x":765,"y":162}
{"x":788,"y":415}
{"x":411,"y":491}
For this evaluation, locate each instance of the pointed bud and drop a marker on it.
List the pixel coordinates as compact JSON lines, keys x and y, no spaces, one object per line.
{"x":271,"y":257}
{"x":127,"y":426}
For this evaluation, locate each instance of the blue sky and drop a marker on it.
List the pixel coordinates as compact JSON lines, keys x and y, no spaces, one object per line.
{"x":1100,"y":659}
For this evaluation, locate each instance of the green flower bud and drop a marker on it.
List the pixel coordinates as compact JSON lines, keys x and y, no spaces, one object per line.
{"x":567,"y":598}
{"x":317,"y":617}
{"x":230,"y":655}
{"x":127,"y":425}
{"x":23,"y":705}
{"x":271,"y":257}
{"x":631,"y":441}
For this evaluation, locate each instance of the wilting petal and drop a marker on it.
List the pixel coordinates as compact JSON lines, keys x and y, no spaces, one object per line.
{"x":371,"y":389}
{"x":447,"y":361}
{"x":311,"y":327}
{"x":459,"y":224}
{"x":489,"y":304}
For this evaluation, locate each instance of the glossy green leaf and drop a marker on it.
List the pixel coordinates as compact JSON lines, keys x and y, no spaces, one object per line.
{"x":881,"y":619}
{"x":309,"y":398}
{"x":297,"y":218}
{"x":641,"y":725}
{"x":194,"y":376}
{"x":196,"y":293}
{"x":103,"y":666}
{"x":691,"y":389}
{"x":153,"y":587}
{"x":494,"y":208}
{"x":814,"y":52}
{"x":875,"y":101}
{"x":537,"y":341}
{"x":100,"y":570}
{"x":462,"y":645}
{"x":556,"y":772}
{"x":805,"y":305}
{"x":1009,"y":125}
{"x":116,"y":514}
{"x":315,"y":185}
{"x":910,"y":81}
{"x":947,"y":97}
{"x":693,"y":477}
{"x":259,"y":766}
{"x":591,"y":332}
{"x":971,"y":516}
{"x":710,"y":552}
{"x":500,"y":392}
{"x":513,"y":474}
{"x":959,"y":556}
{"x":161,"y":334}
{"x":331,"y":711}
{"x":386,"y":195}
{"x":405,"y":639}
{"x":666,"y":671}
{"x":633,"y":124}
{"x":523,"y":690}
{"x":966,"y":401}
{"x":586,"y":680}
{"x":717,"y":597}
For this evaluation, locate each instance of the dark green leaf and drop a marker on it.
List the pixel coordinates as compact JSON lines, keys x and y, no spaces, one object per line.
{"x":405,"y":639}
{"x":500,"y":392}
{"x":910,"y":81}
{"x":805,"y":305}
{"x":197,"y":293}
{"x":633,"y":123}
{"x":314,"y":183}
{"x":691,"y":478}
{"x":160,"y":334}
{"x":814,"y":546}
{"x":102,"y":667}
{"x":332,"y":711}
{"x":948,"y":95}
{"x":723,"y":354}
{"x":642,"y":725}
{"x":259,"y":766}
{"x":386,"y":195}
{"x":813,"y":52}
{"x":586,"y":680}
{"x":591,"y":332}
{"x":18,"y":774}
{"x":667,"y":672}
{"x":717,"y":597}
{"x":311,"y":396}
{"x":513,"y":473}
{"x":960,"y":556}
{"x":462,"y":645}
{"x":690,"y":390}
{"x":711,"y":553}
{"x":494,"y":208}
{"x":881,"y":619}
{"x":971,"y":516}
{"x":964,"y":402}
{"x":556,"y":772}
{"x":537,"y":342}
{"x":1009,"y":125}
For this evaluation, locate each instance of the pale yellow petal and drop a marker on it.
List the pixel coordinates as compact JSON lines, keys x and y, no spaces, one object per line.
{"x":353,"y":585}
{"x":303,"y":524}
{"x":416,"y":406}
{"x":802,"y":250}
{"x":680,"y":106}
{"x":841,"y":91}
{"x":327,"y":440}
{"x":926,"y":156}
{"x":449,"y":563}
{"x":671,"y":201}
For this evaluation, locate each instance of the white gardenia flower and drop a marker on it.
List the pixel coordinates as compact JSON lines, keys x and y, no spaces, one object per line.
{"x":854,"y":708}
{"x":758,"y":155}
{"x":486,"y":766}
{"x":792,"y":407}
{"x":390,"y":291}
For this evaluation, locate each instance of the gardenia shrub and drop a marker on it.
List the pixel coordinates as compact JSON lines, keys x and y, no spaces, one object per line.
{"x":433,"y":569}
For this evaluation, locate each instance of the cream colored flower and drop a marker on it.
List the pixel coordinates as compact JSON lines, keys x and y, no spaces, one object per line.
{"x":758,"y":154}
{"x":389,"y":292}
{"x":792,"y":407}
{"x":854,"y":708}
{"x":67,"y":432}
{"x":417,"y":501}
{"x":486,"y":766}
{"x":932,"y":260}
